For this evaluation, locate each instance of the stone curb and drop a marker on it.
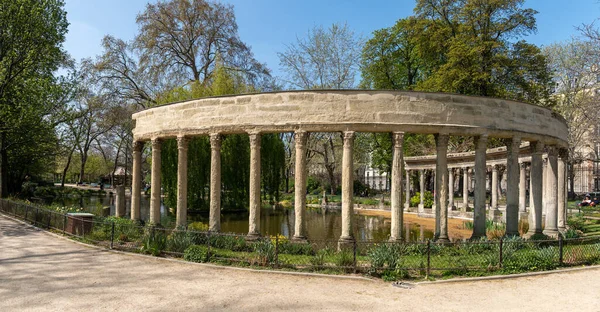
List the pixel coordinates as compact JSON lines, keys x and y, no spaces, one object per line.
{"x":509,"y":276}
{"x":269,"y":271}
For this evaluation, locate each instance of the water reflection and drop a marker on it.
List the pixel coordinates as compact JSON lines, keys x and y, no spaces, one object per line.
{"x":321,"y":224}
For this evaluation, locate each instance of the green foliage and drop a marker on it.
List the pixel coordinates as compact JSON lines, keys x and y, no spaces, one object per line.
{"x":427,"y":200}
{"x":265,"y":251}
{"x":444,"y":47}
{"x":32,"y":98}
{"x":179,"y":241}
{"x":230,"y":242}
{"x":313,"y":186}
{"x":576,"y":222}
{"x":235,"y":158}
{"x":344,"y":258}
{"x":291,"y":248}
{"x":196,"y":253}
{"x":386,"y":258}
{"x":154,"y":242}
{"x":571,"y":233}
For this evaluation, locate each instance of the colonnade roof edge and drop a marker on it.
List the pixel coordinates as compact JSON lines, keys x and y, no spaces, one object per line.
{"x":352,"y":110}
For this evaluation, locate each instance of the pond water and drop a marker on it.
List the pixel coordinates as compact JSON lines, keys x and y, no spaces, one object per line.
{"x":322,"y":224}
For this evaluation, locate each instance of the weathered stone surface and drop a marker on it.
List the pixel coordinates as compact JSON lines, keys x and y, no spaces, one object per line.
{"x":155,"y":183}
{"x":382,"y":111}
{"x":136,"y":180}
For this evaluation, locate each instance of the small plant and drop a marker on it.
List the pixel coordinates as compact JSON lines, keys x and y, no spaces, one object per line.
{"x":154,"y":242}
{"x":344,"y":258}
{"x":179,"y":241}
{"x":571,"y":233}
{"x":265,"y":252}
{"x":319,"y":258}
{"x":196,"y":253}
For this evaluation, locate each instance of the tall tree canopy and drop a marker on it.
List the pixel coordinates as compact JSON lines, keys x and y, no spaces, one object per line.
{"x":470,"y":47}
{"x":31,"y":96}
{"x":188,"y":37}
{"x":325,"y":59}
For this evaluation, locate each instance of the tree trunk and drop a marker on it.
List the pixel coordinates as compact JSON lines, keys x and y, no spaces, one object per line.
{"x":82,"y":171}
{"x":64,"y":175}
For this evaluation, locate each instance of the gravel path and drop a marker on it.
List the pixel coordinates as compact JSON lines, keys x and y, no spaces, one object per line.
{"x":41,"y":272}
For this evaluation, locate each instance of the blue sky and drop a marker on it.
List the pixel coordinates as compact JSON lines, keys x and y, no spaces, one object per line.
{"x":268,"y":25}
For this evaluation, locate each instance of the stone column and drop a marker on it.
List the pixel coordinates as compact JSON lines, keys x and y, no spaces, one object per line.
{"x":544,"y":185}
{"x":396,"y":191}
{"x":512,"y":187}
{"x":214,"y":219}
{"x":300,"y":138}
{"x":254,"y":219}
{"x":155,"y":183}
{"x":465,"y":189}
{"x":562,"y":194}
{"x":522,"y":188}
{"x":535,"y":211}
{"x":407,"y":191}
{"x":120,"y":201}
{"x":441,"y":181}
{"x":347,"y":189}
{"x":136,"y":180}
{"x":450,"y":189}
{"x":182,"y":177}
{"x":551,"y":228}
{"x":421,"y":207}
{"x":494,"y":189}
{"x":479,"y":192}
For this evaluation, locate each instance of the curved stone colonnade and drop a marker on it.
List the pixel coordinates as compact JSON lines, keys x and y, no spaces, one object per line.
{"x":554,"y":191}
{"x":346,"y":111}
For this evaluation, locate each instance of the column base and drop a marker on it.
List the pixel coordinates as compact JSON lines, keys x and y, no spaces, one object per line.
{"x":395,"y":240}
{"x":530,"y":235}
{"x":346,"y":242}
{"x":476,"y":237}
{"x":299,"y":239}
{"x":406,"y":207}
{"x":421,"y":208}
{"x":251,"y":237}
{"x":551,"y":233}
{"x":442,"y":239}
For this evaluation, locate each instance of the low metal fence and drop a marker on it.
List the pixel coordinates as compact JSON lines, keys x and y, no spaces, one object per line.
{"x":390,"y":260}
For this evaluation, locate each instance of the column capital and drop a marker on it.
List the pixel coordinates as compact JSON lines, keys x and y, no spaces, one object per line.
{"x":182,"y":143}
{"x":523,"y":165}
{"x":138,"y":146}
{"x":254,"y":139}
{"x":300,"y":137}
{"x":156,"y":143}
{"x":537,"y":147}
{"x":552,"y":150}
{"x":441,"y":138}
{"x":495,"y":167}
{"x":398,"y":139}
{"x":348,"y":136}
{"x":215,"y":141}
{"x":481,"y":141}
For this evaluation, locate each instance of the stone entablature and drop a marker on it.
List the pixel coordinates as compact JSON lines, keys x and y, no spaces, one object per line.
{"x":352,"y":110}
{"x":494,"y":156}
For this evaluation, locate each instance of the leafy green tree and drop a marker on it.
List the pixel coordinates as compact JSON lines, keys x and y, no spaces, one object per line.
{"x":392,"y":58}
{"x":31,"y":96}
